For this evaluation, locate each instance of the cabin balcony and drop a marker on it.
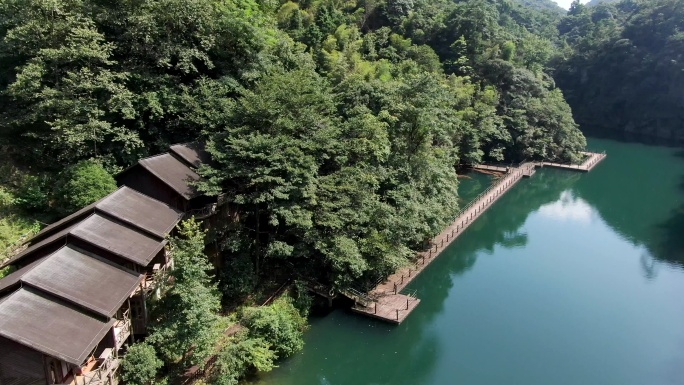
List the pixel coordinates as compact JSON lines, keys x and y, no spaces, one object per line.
{"x":122,"y":329}
{"x":152,"y":281}
{"x":201,"y":213}
{"x":97,"y":371}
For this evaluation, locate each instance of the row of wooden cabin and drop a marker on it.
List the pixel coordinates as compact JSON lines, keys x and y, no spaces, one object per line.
{"x":80,"y":288}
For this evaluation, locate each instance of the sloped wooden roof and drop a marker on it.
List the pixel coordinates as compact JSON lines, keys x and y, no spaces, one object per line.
{"x":64,"y":304}
{"x":119,"y":239}
{"x":51,"y":326}
{"x":193,"y":153}
{"x":83,"y":279}
{"x":62,"y":223}
{"x":141,"y":211}
{"x":173,"y":173}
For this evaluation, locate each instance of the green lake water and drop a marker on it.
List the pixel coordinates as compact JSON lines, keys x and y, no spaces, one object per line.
{"x":569,"y":278}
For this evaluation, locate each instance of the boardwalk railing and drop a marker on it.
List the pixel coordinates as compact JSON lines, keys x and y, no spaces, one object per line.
{"x":357,"y":296}
{"x":482,"y":194}
{"x":387,"y":303}
{"x":591,"y":159}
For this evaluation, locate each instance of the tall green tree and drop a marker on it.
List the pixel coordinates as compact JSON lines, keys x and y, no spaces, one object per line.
{"x":67,"y":99}
{"x":185,"y":323}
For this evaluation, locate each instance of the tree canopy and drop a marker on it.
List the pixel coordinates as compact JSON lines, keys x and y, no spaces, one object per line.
{"x":623,"y":72}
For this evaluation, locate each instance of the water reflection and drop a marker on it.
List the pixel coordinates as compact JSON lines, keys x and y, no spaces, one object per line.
{"x":569,"y":207}
{"x":557,"y":296}
{"x":638,"y":190}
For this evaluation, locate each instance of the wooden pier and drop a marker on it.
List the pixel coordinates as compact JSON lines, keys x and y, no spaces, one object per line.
{"x":385,"y":302}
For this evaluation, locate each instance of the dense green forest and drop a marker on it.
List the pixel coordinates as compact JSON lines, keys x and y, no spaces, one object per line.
{"x":624,"y":73}
{"x":336,"y":127}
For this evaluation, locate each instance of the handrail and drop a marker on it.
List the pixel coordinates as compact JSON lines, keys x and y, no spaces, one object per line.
{"x":96,"y":376}
{"x":483,"y":193}
{"x":358,"y":294}
{"x":201,"y":212}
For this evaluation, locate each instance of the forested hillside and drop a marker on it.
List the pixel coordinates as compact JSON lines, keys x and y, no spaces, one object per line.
{"x":336,"y":127}
{"x":625,"y":70}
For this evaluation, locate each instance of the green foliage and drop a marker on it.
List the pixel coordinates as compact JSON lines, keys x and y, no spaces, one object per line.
{"x":279,"y":324}
{"x":301,"y":299}
{"x":237,"y":279}
{"x":508,"y":51}
{"x":34,"y":193}
{"x":185,"y":323}
{"x":622,"y":69}
{"x":82,"y":184}
{"x":15,"y":229}
{"x":140,"y":365}
{"x":240,"y":356}
{"x":336,"y":127}
{"x":15,"y":226}
{"x":6,"y":271}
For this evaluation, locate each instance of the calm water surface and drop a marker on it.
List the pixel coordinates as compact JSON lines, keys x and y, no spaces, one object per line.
{"x":569,"y":279}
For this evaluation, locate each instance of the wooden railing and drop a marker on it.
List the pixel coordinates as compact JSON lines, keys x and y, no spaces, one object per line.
{"x":103,"y":374}
{"x":201,"y":213}
{"x":125,"y":328}
{"x":358,"y":297}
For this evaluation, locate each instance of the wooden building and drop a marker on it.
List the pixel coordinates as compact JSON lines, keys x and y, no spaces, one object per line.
{"x":170,"y":177}
{"x":80,"y":287}
{"x":80,"y":290}
{"x":63,"y":319}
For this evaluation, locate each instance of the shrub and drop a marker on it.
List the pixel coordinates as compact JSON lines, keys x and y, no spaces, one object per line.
{"x":279,"y":324}
{"x":140,"y":365}
{"x":241,"y":356}
{"x":82,"y":184}
{"x":34,"y":193}
{"x":301,"y":299}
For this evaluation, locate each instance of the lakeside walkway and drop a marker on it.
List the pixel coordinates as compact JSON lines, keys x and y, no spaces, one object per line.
{"x":385,"y":301}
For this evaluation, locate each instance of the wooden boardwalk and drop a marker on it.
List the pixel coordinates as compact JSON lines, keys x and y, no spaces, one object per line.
{"x":593,"y":158}
{"x":385,"y":301}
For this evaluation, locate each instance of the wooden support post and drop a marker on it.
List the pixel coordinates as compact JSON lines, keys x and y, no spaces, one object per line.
{"x":442,"y":245}
{"x":406,"y":303}
{"x":397,"y":314}
{"x":402,"y":279}
{"x":448,"y":237}
{"x":395,"y":288}
{"x":431,"y":252}
{"x":375,"y":308}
